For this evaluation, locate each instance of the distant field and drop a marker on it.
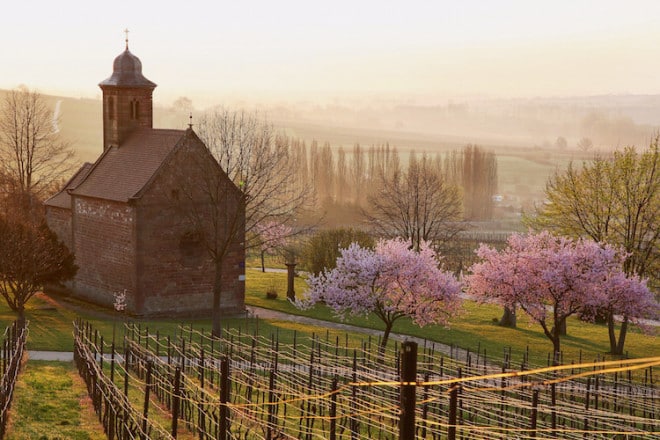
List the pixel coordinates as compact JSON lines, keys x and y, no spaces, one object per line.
{"x":523,"y":172}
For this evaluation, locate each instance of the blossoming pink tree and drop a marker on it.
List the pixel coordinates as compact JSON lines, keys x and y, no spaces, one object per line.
{"x":272,"y":236}
{"x":551,"y":278}
{"x":391,"y":281}
{"x":628,"y":297}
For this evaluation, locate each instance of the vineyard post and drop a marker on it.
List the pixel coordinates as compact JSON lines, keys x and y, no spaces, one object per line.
{"x":224,"y":397}
{"x":127,"y":355}
{"x":147,"y":390}
{"x":453,"y":404}
{"x":271,"y":400}
{"x":502,"y":393}
{"x":354,"y":422}
{"x":112,"y":362}
{"x":201,"y":367}
{"x":333,"y":410}
{"x":553,"y":401}
{"x":175,"y":401}
{"x":535,"y":404}
{"x":201,"y":413}
{"x":101,"y":355}
{"x":425,"y":408}
{"x":586,"y":404}
{"x":408,"y":388}
{"x":169,"y":350}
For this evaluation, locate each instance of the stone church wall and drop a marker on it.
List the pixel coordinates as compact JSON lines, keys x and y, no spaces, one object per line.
{"x":176,"y":274}
{"x":59,"y":221}
{"x":105,"y":253}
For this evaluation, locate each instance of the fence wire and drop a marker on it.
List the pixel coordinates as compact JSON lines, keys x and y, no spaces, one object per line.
{"x":317,"y":388}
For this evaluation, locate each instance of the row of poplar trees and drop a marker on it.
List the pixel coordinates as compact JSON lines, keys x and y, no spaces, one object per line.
{"x":347,"y":176}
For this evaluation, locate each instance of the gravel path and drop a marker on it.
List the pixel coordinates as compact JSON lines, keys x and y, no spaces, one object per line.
{"x":281,"y":316}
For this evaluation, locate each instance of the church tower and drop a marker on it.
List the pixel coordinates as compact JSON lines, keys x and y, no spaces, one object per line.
{"x":127,"y":99}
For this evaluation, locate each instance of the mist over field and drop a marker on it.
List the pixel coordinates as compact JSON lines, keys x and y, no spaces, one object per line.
{"x":531,"y":138}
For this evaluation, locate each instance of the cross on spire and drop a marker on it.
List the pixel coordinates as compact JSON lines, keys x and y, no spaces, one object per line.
{"x":126,"y":31}
{"x":190,"y":124}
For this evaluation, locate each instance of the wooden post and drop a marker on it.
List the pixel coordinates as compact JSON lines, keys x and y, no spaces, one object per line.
{"x":112,"y":363}
{"x":586,"y":407}
{"x":175,"y":401}
{"x":224,"y":398}
{"x":271,"y":401}
{"x":535,"y":404}
{"x":354,"y":421}
{"x":147,"y":392}
{"x":333,"y":410}
{"x":126,"y":360}
{"x":453,"y":406}
{"x":425,"y":408}
{"x":407,"y":392}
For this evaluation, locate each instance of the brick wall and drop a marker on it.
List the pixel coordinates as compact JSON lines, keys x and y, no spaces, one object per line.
{"x":176,"y":274}
{"x":59,"y":221}
{"x":104,"y":246}
{"x":118,"y":124}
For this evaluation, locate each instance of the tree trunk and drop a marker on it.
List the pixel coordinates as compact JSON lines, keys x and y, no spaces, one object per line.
{"x":509,"y":317}
{"x":562,"y":327}
{"x":21,"y":317}
{"x":622,"y":336}
{"x":263,"y":264}
{"x":556,"y":340}
{"x":556,"y":349}
{"x":611,"y":332}
{"x":386,"y":337}
{"x":217,"y":291}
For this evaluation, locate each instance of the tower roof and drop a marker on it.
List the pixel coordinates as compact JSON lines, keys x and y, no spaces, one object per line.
{"x":127,"y":72}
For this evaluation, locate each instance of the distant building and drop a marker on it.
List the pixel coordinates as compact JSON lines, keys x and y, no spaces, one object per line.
{"x":122,"y":217}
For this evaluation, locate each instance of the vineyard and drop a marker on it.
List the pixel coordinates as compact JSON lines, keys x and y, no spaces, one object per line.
{"x":247,"y":386}
{"x":13,"y":345}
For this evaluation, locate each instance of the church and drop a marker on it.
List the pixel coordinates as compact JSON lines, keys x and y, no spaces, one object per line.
{"x":141,"y":220}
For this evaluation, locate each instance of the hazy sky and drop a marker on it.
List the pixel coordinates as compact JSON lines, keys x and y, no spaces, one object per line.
{"x":314,"y":50}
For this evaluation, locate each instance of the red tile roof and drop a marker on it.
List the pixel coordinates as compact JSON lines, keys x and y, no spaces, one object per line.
{"x":62,"y":199}
{"x":121,"y":172}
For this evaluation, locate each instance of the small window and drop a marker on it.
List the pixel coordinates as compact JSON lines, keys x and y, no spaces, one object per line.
{"x":111,"y":108}
{"x":135,"y":109}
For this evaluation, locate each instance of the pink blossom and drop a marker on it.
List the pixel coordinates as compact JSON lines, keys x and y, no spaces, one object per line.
{"x":391,"y":281}
{"x":552,"y":278}
{"x":272,"y":235}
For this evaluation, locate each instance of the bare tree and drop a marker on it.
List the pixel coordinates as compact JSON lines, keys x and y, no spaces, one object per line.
{"x":256,"y":160}
{"x":418,"y":205}
{"x":585,"y":144}
{"x":32,"y":155}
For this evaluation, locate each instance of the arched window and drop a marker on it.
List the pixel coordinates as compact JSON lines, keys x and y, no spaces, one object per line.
{"x":135,"y":109}
{"x":111,"y":108}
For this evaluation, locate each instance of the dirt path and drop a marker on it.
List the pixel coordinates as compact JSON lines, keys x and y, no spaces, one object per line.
{"x":281,"y":316}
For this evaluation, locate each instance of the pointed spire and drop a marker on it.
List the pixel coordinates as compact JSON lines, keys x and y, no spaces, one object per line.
{"x":126,"y":31}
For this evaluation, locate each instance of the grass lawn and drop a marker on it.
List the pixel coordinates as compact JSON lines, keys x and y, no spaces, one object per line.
{"x":51,"y":329}
{"x":51,"y":402}
{"x":473,"y":329}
